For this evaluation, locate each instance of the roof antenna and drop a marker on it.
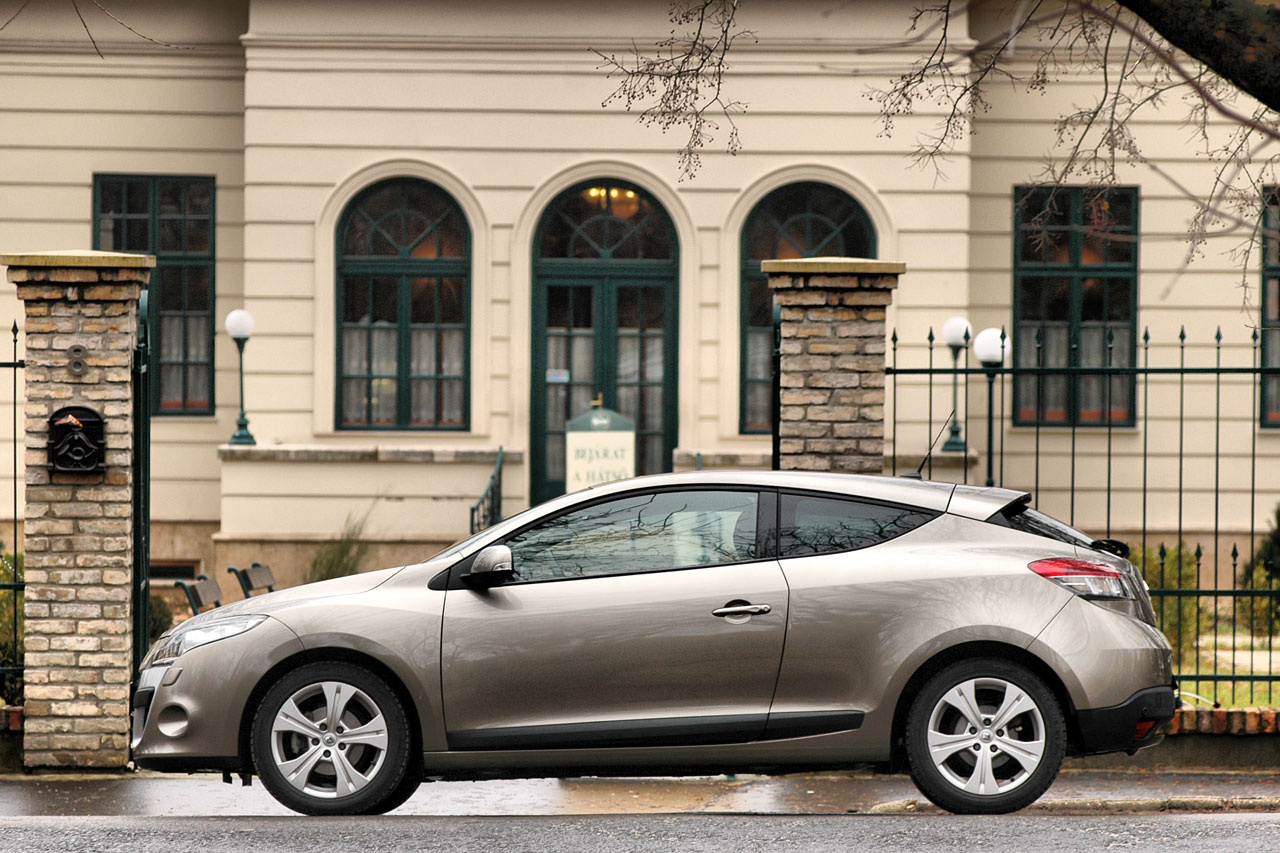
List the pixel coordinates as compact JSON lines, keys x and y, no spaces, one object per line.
{"x":915,"y":475}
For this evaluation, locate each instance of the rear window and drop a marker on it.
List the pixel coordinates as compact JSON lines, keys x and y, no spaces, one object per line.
{"x":820,"y":525}
{"x":1028,"y":520}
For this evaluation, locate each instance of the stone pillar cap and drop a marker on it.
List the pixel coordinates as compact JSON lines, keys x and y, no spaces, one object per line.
{"x":76,"y":258}
{"x":836,"y":266}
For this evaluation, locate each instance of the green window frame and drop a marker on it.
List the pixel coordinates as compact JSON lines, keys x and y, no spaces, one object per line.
{"x":801,"y":220}
{"x":1269,"y":327}
{"x":1075,"y":304}
{"x":403,"y":287}
{"x":173,"y":218}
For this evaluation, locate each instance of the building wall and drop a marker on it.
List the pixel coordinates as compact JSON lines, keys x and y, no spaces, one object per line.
{"x":66,"y":114}
{"x":499,"y":103}
{"x":296,"y":106}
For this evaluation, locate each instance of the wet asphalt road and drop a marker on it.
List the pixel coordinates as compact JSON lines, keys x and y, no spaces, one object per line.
{"x":138,"y":813}
{"x":1220,"y":833}
{"x":156,"y":795}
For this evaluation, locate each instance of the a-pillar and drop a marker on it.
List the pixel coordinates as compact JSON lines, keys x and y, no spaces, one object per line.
{"x":81,"y":330}
{"x":832,"y":364}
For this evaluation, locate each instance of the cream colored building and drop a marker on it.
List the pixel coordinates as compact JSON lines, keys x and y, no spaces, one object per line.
{"x":408,"y":195}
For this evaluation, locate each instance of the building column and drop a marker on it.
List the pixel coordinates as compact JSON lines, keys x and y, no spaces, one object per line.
{"x":81,"y":331}
{"x":832,"y":365}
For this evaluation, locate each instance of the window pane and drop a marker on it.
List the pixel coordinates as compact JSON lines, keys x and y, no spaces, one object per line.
{"x":199,"y":198}
{"x":422,"y":404}
{"x":642,"y":533}
{"x":453,"y":352}
{"x":170,"y":193}
{"x":198,"y":289}
{"x":111,"y":197}
{"x":197,"y":236}
{"x":423,"y":352}
{"x":812,"y":525}
{"x":355,"y":399}
{"x":416,"y":316}
{"x":422,"y":300}
{"x":452,"y":307}
{"x":451,"y":402}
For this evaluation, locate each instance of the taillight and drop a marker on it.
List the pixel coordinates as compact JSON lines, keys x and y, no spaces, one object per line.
{"x":1083,"y":577}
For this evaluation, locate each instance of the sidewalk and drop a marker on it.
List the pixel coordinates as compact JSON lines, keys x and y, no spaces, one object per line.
{"x":1074,"y":792}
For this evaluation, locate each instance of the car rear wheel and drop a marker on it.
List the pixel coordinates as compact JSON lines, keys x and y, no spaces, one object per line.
{"x":332,"y":739}
{"x":985,"y":737}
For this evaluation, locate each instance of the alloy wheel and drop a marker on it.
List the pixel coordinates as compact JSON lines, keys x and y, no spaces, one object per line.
{"x":986,"y":736}
{"x":329,"y":739}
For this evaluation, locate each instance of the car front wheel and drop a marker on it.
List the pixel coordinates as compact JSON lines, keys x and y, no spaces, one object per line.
{"x":985,"y":737}
{"x":332,"y":739}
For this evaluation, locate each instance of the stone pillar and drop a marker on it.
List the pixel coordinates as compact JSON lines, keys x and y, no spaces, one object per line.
{"x":833,"y":341}
{"x":79,"y":526}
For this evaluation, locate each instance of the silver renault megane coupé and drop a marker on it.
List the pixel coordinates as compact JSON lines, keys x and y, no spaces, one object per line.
{"x":756,"y":622}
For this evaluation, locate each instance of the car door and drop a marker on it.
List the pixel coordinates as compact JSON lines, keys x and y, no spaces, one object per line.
{"x":854,"y":600}
{"x":625,"y":624}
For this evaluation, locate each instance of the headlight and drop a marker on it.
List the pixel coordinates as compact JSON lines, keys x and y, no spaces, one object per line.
{"x":180,"y":642}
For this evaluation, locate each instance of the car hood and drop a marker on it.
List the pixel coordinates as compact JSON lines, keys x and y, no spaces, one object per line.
{"x":274,"y":601}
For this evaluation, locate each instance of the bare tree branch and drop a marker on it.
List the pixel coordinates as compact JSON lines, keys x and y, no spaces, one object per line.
{"x":684,"y":77}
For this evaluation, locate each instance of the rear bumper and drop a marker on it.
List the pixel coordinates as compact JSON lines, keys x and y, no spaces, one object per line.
{"x":1116,"y":728}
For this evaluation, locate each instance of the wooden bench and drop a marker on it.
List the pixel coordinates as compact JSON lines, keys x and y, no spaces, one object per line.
{"x":202,"y":593}
{"x":256,"y":577}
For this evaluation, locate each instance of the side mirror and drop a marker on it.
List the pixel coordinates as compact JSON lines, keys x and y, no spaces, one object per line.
{"x":492,"y":566}
{"x":1111,"y":546}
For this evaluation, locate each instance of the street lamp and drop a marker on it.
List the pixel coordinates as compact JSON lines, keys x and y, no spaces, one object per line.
{"x":990,"y":346}
{"x":956,"y":332}
{"x":240,"y":326}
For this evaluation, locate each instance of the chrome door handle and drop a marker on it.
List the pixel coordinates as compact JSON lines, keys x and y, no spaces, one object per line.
{"x":742,"y":610}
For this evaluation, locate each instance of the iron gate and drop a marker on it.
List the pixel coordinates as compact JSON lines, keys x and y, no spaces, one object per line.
{"x":141,"y":488}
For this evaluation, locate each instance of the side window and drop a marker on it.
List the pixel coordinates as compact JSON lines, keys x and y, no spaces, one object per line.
{"x":814,"y":525}
{"x":640,"y":533}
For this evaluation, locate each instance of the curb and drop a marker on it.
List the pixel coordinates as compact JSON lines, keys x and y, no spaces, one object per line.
{"x":1108,"y":806}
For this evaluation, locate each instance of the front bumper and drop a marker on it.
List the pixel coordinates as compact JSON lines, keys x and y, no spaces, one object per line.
{"x":187,"y":716}
{"x":1132,"y":725}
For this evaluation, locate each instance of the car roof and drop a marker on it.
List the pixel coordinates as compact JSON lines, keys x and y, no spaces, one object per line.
{"x":969,"y":501}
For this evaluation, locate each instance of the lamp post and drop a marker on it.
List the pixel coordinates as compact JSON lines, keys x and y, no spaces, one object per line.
{"x":239,"y":325}
{"x":989,"y":346}
{"x":956,"y":332}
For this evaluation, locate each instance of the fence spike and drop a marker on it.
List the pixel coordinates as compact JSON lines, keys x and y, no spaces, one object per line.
{"x":1218,"y":336}
{"x":1182,"y":335}
{"x":894,"y":337}
{"x":1146,"y":336}
{"x":930,"y":338}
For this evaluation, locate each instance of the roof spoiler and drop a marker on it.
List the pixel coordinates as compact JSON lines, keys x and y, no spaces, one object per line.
{"x":980,"y":502}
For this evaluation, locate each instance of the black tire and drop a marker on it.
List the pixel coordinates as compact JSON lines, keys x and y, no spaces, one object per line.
{"x":408,"y":785}
{"x":1003,"y":774}
{"x":332,"y":775}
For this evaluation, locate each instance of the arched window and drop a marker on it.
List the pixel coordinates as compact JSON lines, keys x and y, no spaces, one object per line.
{"x":607,"y":220}
{"x":404,"y":309}
{"x":802,"y":220}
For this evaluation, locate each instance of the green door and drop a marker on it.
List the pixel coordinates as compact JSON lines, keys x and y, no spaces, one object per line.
{"x":605,"y":324}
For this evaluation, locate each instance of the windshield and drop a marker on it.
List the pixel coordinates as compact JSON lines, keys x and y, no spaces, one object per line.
{"x":463,"y":544}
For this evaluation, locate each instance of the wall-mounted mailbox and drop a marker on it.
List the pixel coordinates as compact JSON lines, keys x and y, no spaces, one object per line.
{"x":77,"y":441}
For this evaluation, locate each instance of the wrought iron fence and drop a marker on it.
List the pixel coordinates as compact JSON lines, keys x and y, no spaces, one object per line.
{"x":1169,"y":447}
{"x":487,"y":511}
{"x":11,"y":573}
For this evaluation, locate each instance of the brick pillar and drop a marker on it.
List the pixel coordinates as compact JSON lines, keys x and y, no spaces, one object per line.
{"x":79,"y":526}
{"x":833,"y":332}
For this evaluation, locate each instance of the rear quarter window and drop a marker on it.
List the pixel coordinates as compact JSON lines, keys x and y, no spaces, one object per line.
{"x":822,"y":525}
